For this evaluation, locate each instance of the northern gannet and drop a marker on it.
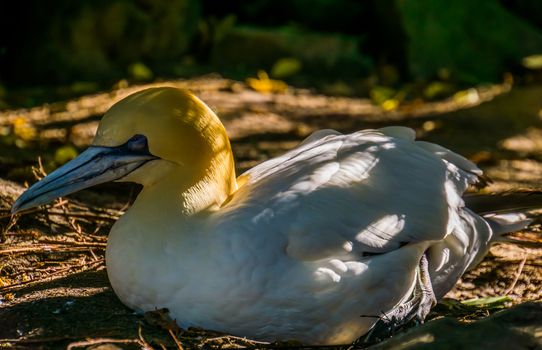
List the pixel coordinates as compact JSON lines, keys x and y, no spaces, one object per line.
{"x":306,"y":246}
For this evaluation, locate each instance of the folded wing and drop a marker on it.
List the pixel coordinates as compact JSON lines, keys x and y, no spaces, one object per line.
{"x":353,"y":195}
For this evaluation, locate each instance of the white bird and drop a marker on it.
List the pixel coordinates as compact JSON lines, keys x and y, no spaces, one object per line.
{"x":305,"y":246}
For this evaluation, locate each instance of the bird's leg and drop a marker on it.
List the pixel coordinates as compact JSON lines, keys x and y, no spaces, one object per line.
{"x":416,"y":308}
{"x":427,"y":296}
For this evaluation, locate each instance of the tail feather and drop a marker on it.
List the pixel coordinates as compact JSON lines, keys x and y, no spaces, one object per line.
{"x":506,"y":223}
{"x":501,"y":224}
{"x":506,"y":202}
{"x":506,"y":213}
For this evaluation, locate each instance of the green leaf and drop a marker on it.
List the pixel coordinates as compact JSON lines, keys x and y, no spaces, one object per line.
{"x":490,"y":301}
{"x":286,"y":67}
{"x":65,"y":154}
{"x":139,"y":71}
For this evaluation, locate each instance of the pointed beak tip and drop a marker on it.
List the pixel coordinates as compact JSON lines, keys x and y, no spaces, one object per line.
{"x":17,"y":206}
{"x":28,"y":199}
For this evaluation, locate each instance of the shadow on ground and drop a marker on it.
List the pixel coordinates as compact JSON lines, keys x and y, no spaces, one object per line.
{"x":81,"y":305}
{"x":44,"y":307}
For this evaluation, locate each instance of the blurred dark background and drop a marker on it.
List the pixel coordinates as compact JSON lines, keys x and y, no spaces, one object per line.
{"x":376,"y":48}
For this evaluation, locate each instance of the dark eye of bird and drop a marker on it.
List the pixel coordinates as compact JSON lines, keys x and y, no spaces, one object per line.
{"x":137,"y":143}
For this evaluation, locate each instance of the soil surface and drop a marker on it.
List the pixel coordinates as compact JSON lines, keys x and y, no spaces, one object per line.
{"x":54,"y":291}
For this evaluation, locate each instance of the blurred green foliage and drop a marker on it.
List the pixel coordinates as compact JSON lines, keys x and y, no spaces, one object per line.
{"x":345,"y":47}
{"x":473,"y":40}
{"x":249,"y":48}
{"x":92,"y":40}
{"x":286,"y":67}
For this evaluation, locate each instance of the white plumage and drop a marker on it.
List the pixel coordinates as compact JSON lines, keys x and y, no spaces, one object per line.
{"x":286,"y":256}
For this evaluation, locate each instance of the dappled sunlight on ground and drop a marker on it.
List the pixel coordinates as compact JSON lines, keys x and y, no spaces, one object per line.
{"x":55,"y":257}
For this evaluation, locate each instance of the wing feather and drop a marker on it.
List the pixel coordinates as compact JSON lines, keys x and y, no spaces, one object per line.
{"x":347,"y":195}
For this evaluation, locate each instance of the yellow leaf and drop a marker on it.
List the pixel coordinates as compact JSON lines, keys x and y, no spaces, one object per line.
{"x":265,"y":85}
{"x":23,"y":130}
{"x":390,"y":105}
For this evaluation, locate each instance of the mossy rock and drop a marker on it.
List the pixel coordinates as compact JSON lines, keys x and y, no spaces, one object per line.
{"x":517,"y":328}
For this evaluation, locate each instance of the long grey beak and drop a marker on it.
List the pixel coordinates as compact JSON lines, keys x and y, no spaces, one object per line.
{"x":94,"y":166}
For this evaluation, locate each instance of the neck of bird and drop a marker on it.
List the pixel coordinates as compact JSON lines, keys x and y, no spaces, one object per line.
{"x":187,"y":194}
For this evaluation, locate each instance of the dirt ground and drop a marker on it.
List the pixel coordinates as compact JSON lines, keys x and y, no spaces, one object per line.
{"x":54,"y":291}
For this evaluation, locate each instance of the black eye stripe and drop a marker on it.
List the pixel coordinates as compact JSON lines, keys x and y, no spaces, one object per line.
{"x":137,"y":143}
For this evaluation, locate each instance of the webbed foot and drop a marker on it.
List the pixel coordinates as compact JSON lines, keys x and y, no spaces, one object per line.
{"x":415,"y":309}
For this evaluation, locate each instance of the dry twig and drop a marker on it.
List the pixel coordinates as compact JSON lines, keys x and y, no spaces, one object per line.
{"x":97,"y":341}
{"x":516,"y":276}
